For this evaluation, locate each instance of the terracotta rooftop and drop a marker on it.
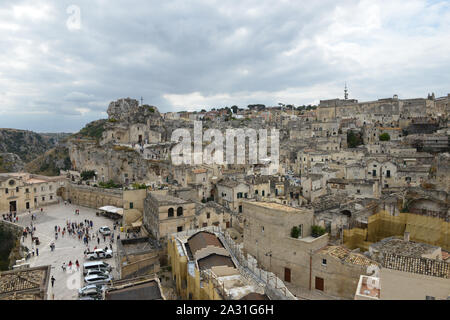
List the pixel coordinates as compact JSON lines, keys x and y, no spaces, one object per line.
{"x":345,"y":255}
{"x":31,"y":283}
{"x":203,"y":239}
{"x":214,"y":260}
{"x":428,"y":267}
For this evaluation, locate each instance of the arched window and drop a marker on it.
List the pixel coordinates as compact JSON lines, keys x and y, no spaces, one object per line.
{"x":179,"y":211}
{"x":170,"y":212}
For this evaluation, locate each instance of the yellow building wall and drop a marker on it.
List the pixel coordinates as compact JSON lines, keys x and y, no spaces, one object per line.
{"x":204,"y":290}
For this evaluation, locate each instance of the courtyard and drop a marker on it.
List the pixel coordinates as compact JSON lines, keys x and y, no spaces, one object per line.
{"x":67,"y":248}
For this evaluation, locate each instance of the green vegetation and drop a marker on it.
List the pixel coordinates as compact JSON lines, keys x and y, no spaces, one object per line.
{"x":51,"y":162}
{"x":86,"y":175}
{"x":385,"y":137}
{"x":93,"y":130}
{"x":109,"y":185}
{"x":139,"y":186}
{"x":7,"y":243}
{"x":317,"y":231}
{"x":112,"y":120}
{"x":353,"y":139}
{"x":295,"y":232}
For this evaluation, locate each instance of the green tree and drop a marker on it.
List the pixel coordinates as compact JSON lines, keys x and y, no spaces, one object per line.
{"x":86,"y":175}
{"x":353,"y":139}
{"x":385,"y":137}
{"x":317,"y":231}
{"x":295,"y":232}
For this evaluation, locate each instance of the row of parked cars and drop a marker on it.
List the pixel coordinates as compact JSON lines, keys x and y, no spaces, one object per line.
{"x":97,"y":275}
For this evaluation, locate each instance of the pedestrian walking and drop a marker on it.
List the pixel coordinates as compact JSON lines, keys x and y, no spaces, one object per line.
{"x":98,"y":240}
{"x":37,"y":251}
{"x":63,"y":266}
{"x":78,"y":265}
{"x":53,"y":281}
{"x":70,"y":264}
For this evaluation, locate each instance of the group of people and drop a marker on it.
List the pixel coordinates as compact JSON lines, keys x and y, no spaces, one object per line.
{"x":11,"y":217}
{"x":80,"y":230}
{"x":69,"y":265}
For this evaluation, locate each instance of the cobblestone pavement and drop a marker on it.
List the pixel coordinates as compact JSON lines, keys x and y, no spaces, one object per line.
{"x":68,"y":248}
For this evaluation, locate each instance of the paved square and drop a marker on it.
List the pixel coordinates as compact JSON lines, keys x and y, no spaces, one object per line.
{"x":68,"y":248}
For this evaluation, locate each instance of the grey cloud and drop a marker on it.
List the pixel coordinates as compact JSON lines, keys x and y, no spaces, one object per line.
{"x":158,"y":48}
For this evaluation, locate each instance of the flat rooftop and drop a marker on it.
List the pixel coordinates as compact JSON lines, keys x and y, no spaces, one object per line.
{"x":276,"y":206}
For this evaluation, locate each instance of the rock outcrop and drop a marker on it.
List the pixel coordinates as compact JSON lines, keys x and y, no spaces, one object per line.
{"x":128,"y":110}
{"x":10,"y":162}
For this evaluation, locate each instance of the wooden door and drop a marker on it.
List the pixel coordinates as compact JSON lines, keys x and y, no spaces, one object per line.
{"x":287,"y":274}
{"x":319,"y":283}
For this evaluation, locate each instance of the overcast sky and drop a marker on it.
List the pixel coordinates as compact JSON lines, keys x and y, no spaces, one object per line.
{"x":62,"y":62}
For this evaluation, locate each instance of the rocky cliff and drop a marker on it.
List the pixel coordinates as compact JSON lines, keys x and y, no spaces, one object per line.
{"x":10,"y":162}
{"x":25,"y":144}
{"x":51,"y":162}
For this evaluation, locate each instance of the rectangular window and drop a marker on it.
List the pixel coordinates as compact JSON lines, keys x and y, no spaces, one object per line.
{"x":388,"y":173}
{"x":17,"y":189}
{"x":43,"y":198}
{"x":131,"y":205}
{"x":179,"y":229}
{"x":6,"y":191}
{"x":324,"y":262}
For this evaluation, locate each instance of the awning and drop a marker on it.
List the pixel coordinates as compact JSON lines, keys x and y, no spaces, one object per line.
{"x":112,"y":209}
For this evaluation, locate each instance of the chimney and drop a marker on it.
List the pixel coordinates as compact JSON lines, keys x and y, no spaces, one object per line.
{"x":406,"y":236}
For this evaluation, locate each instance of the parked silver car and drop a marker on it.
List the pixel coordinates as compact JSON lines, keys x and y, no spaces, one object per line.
{"x":90,"y":290}
{"x":97,"y":279}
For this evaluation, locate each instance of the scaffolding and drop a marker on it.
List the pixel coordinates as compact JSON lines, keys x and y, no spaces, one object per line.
{"x":422,"y":228}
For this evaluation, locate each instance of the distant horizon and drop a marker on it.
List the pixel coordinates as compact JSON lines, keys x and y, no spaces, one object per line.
{"x":219,"y":107}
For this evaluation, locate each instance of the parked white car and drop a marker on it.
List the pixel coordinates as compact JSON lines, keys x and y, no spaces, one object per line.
{"x":99,"y":254}
{"x":106,"y":231}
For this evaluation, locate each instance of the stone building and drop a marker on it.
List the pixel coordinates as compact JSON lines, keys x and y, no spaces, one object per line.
{"x":165,"y":214}
{"x":267,"y":237}
{"x":232,"y":193}
{"x":336,"y":270}
{"x":21,"y":192}
{"x":138,"y":257}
